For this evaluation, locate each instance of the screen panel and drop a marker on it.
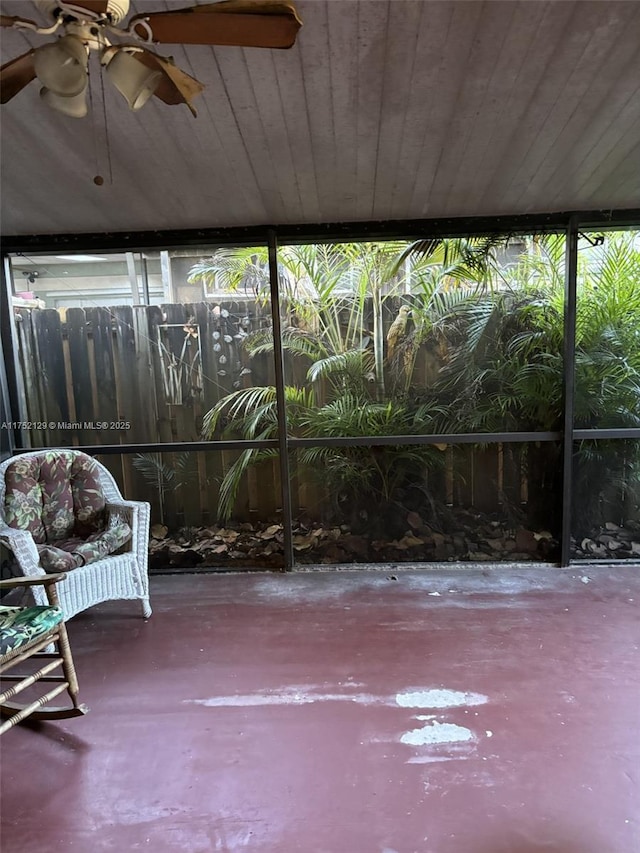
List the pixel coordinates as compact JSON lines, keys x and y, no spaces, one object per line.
{"x":426,"y":503}
{"x":607,"y":361}
{"x":137,"y":348}
{"x":433,"y":337}
{"x":210,"y":510}
{"x":606,"y":500}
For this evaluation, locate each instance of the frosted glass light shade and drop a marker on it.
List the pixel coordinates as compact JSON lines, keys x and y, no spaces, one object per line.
{"x":61,"y":66}
{"x":76,"y":107}
{"x":132,"y":79}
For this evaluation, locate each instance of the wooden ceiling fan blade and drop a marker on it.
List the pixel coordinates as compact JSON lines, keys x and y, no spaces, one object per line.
{"x":239,"y":23}
{"x":15,"y":75}
{"x":97,"y":6}
{"x":176,"y":86}
{"x":10,"y":20}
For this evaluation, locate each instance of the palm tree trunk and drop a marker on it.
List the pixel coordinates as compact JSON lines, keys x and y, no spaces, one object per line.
{"x":378,"y":343}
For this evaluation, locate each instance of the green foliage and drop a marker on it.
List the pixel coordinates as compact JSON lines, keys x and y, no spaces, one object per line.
{"x":493,"y":320}
{"x":504,"y":365}
{"x":325,"y":290}
{"x":608,"y":338}
{"x":505,"y":356}
{"x":162,"y":476}
{"x":463,"y":259}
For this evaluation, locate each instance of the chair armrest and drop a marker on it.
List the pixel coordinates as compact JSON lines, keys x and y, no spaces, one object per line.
{"x":135,"y":513}
{"x":124,"y":503}
{"x":21,"y":543}
{"x":45,"y":581}
{"x":121,"y":512}
{"x":126,"y":510}
{"x":138,"y":515}
{"x":48,"y":582}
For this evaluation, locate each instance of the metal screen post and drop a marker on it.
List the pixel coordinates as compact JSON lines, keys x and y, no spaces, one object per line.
{"x":283,"y":443}
{"x":570,"y":308}
{"x":14,"y":402}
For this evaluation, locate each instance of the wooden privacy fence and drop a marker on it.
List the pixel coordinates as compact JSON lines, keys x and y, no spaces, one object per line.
{"x":145,"y":374}
{"x":130,"y":374}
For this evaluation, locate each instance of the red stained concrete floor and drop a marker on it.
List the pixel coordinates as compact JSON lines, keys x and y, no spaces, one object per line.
{"x":442,"y":712}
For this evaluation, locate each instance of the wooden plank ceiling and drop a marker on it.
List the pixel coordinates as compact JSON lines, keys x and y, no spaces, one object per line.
{"x":382,"y":110}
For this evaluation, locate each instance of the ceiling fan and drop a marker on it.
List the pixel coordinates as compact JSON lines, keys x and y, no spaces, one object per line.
{"x":62,"y":65}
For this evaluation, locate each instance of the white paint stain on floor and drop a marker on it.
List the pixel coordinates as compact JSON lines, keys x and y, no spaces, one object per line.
{"x":435,"y":732}
{"x":435,"y":740}
{"x":430,"y":758}
{"x":307,"y":694}
{"x":439,"y":740}
{"x":439,"y":698}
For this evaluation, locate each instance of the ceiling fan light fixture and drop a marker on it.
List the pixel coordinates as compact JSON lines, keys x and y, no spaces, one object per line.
{"x":115,"y":10}
{"x":61,"y":66}
{"x":134,"y":80}
{"x":76,"y":107}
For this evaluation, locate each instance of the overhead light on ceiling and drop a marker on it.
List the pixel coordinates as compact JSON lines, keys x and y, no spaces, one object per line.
{"x":134,"y":80}
{"x":80,"y":258}
{"x":61,"y":66}
{"x":76,"y":107}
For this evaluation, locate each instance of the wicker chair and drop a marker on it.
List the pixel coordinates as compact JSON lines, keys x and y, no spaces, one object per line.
{"x":61,"y":511}
{"x":36,"y":636}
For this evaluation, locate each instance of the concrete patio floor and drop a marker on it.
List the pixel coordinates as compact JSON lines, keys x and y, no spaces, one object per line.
{"x":464,"y":711}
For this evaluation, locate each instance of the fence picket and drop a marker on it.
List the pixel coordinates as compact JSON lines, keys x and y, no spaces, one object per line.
{"x":146,"y":415}
{"x":103,"y":375}
{"x":124,"y":358}
{"x":28,"y":363}
{"x":48,"y":334}
{"x":80,"y":374}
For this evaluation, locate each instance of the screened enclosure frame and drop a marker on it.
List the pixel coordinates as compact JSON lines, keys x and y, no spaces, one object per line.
{"x":571,"y":224}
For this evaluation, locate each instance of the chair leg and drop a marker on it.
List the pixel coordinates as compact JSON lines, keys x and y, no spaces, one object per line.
{"x":67,"y":664}
{"x":68,"y":669}
{"x":40,"y":709}
{"x":35,"y":711}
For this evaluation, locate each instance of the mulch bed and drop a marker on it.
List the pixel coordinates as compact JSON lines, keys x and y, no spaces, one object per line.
{"x":472,"y":538}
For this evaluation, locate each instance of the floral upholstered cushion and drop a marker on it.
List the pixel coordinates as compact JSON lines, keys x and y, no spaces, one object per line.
{"x":73,"y":552}
{"x":21,"y":625}
{"x":53,"y":559}
{"x":57,"y":497}
{"x":54,"y":496}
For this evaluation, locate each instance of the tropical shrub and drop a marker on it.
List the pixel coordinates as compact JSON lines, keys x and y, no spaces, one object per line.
{"x":503,"y":368}
{"x":495,"y":330}
{"x":334,"y":297}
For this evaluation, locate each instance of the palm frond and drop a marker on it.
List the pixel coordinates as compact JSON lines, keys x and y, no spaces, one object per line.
{"x":356,"y":362}
{"x":155,"y":471}
{"x":234,"y":269}
{"x":233,"y":478}
{"x":237,"y":405}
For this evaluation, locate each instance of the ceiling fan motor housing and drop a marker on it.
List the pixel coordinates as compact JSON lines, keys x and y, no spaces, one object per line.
{"x":117,"y":10}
